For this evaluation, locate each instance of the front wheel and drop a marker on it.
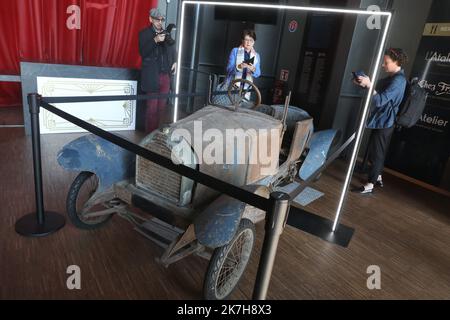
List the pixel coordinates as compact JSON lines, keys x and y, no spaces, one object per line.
{"x":228,"y":263}
{"x":81,"y":191}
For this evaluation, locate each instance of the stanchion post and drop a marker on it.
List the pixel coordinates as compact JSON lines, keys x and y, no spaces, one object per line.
{"x":33,"y":103}
{"x":275,"y":223}
{"x":40,"y":223}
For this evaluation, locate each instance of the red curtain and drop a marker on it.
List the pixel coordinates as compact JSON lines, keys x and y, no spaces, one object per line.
{"x":9,"y":54}
{"x":36,"y":31}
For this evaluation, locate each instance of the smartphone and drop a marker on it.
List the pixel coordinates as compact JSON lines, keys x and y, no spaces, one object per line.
{"x":250,"y":61}
{"x":357,"y":74}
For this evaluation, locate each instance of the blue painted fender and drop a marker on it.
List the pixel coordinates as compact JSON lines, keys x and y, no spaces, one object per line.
{"x":108,"y":161}
{"x":216,"y":225}
{"x":319,"y":148}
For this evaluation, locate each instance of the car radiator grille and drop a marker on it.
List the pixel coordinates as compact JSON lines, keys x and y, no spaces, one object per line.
{"x":155,"y":178}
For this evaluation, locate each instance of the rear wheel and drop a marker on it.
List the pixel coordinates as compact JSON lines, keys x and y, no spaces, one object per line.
{"x":229,"y":262}
{"x":81,"y":191}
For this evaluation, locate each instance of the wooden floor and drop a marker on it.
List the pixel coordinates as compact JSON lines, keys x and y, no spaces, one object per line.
{"x":403,"y":229}
{"x":11,"y":116}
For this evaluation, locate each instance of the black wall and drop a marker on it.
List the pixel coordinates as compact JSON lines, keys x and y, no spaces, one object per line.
{"x":423,"y":152}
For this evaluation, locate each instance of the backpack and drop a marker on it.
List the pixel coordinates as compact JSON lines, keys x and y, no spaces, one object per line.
{"x":412,"y":105}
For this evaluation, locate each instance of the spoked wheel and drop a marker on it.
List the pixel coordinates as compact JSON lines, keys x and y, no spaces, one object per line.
{"x":228,"y":263}
{"x":80,"y":202}
{"x":239,"y":98}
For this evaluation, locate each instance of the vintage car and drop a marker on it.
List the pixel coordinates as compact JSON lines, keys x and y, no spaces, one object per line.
{"x":187,"y":217}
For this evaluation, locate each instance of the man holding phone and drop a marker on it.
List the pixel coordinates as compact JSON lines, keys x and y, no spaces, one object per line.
{"x":385,"y":104}
{"x":158,"y":65}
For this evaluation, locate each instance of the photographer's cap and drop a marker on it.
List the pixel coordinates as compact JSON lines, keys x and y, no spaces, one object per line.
{"x":156,"y":13}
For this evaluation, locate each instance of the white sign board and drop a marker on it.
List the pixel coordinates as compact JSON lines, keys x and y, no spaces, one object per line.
{"x":108,"y":115}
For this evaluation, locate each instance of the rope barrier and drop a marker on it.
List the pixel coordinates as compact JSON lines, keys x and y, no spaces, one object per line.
{"x":200,"y":177}
{"x":132,"y":97}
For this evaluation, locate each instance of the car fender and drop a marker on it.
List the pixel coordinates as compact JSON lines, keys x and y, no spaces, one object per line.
{"x":320,"y":145}
{"x":108,"y":161}
{"x":216,"y":225}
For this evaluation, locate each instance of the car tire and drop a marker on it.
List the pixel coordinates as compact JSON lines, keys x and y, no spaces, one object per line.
{"x":218,"y":285}
{"x":73,"y":211}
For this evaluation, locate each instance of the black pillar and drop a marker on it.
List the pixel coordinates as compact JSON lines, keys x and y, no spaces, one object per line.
{"x":275,"y":223}
{"x":39,"y":223}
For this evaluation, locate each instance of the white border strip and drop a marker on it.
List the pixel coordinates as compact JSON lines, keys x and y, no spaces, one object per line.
{"x":300,"y":8}
{"x":284,"y":7}
{"x":362,"y":126}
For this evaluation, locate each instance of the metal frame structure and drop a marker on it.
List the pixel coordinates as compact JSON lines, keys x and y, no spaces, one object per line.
{"x":374,"y":73}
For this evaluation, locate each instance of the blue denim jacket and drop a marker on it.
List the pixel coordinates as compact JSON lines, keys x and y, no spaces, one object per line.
{"x":386,"y":102}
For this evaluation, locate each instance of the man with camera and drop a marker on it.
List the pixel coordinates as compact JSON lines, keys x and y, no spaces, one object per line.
{"x":158,"y":53}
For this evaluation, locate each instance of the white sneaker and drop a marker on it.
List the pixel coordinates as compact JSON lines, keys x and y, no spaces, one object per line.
{"x":365,"y":189}
{"x":379,"y":182}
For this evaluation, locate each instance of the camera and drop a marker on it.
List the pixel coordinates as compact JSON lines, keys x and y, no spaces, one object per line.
{"x":167,"y":33}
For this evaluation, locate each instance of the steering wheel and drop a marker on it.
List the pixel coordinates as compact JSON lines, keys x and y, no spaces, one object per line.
{"x":237,"y":98}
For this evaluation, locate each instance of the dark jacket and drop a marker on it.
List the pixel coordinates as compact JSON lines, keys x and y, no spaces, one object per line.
{"x":385,"y":104}
{"x":156,"y":58}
